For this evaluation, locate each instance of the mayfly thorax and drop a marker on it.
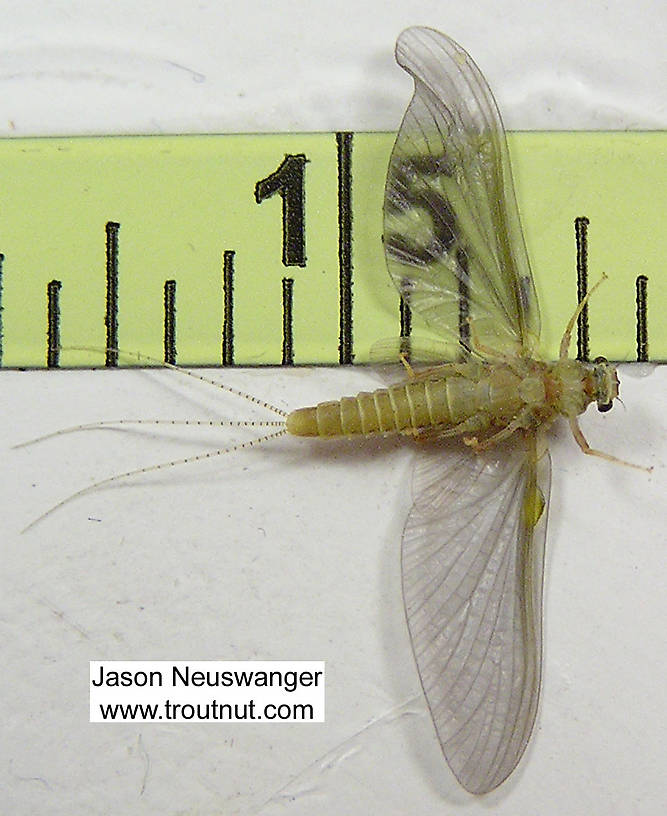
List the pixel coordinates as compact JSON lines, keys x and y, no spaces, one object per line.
{"x":473,"y":543}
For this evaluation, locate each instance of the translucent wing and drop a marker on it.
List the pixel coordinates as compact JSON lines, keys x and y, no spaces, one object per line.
{"x":452,"y":233}
{"x":473,"y":552}
{"x":419,"y":353}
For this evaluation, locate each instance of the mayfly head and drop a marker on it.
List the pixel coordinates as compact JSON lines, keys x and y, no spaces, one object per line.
{"x":606,"y":383}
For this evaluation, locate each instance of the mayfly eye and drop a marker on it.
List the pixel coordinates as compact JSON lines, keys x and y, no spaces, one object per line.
{"x":599,"y":360}
{"x":604,"y":407}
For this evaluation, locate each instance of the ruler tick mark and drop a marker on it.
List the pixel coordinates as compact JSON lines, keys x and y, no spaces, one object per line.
{"x":641,"y":287}
{"x":406,"y":320}
{"x":53,"y":323}
{"x":288,"y":338}
{"x":228,"y":307}
{"x":464,"y":303}
{"x":111,"y":316}
{"x":581,"y":237}
{"x":344,"y":147}
{"x":170,"y":322}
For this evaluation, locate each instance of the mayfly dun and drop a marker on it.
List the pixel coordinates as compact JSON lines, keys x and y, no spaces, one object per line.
{"x":473,"y":543}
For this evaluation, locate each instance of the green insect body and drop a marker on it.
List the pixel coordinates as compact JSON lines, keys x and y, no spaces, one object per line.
{"x":469,"y":398}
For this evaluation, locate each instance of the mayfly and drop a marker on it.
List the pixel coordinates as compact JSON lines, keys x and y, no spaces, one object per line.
{"x":473,"y":543}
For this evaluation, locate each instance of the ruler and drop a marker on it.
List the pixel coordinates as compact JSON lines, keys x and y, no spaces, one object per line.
{"x":267,"y":249}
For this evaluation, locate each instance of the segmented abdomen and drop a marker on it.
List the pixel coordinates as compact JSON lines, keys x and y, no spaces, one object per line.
{"x":407,"y":407}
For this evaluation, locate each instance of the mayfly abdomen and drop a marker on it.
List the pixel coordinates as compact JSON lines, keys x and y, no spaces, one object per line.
{"x":444,"y":400}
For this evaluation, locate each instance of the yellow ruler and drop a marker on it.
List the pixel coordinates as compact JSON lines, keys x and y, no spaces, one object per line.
{"x":267,"y":249}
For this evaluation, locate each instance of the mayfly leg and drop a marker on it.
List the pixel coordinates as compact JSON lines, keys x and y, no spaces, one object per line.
{"x":567,"y":334}
{"x":580,"y":439}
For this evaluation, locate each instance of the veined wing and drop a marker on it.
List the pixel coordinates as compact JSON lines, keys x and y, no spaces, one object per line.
{"x":452,"y":232}
{"x":472,"y":561}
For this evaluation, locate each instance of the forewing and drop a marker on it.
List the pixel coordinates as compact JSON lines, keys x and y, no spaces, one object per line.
{"x":452,"y":233}
{"x":472,"y":560}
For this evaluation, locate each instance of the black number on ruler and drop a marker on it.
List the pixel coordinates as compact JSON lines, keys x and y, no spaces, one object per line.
{"x":288,"y":180}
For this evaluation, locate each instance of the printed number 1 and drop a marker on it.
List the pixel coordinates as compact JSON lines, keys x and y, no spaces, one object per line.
{"x":288,"y":180}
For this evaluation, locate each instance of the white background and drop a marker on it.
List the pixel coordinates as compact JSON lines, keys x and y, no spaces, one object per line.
{"x":291,"y":551}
